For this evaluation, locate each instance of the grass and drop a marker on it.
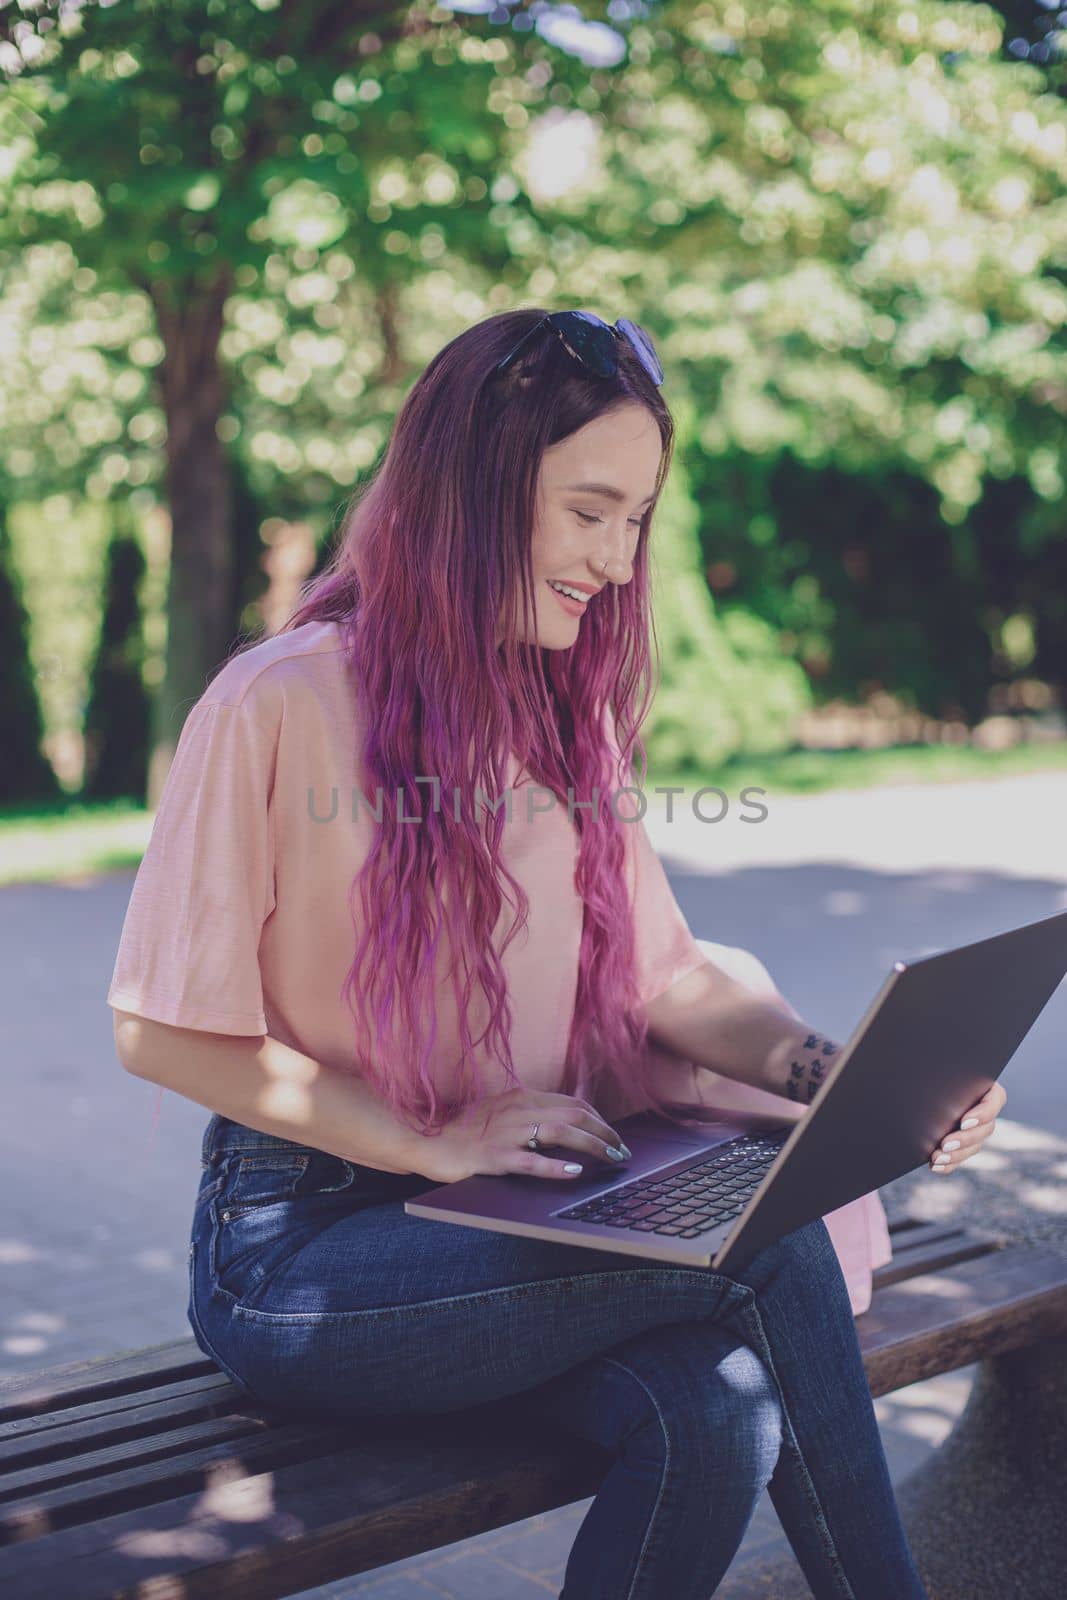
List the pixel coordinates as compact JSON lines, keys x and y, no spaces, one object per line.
{"x":818,"y":771}
{"x":72,"y":842}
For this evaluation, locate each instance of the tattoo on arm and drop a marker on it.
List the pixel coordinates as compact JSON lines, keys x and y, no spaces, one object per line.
{"x":809,"y":1067}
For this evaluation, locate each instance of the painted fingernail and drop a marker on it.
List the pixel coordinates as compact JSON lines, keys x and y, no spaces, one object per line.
{"x":616,"y":1155}
{"x":951,"y":1144}
{"x":941,"y":1161}
{"x":572,"y":1166}
{"x":970,"y":1122}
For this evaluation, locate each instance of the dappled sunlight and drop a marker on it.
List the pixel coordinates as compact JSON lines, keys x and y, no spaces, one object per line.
{"x":952,"y":882}
{"x":944,"y":1394}
{"x":988,"y":1161}
{"x":1018,"y":1136}
{"x":937,"y":1288}
{"x":1044,"y":1197}
{"x":15,"y":1252}
{"x":927,"y":1424}
{"x":844,"y":903}
{"x":233,"y":1497}
{"x":79,"y":1267}
{"x":164,"y":1543}
{"x":30,"y":1333}
{"x":161,"y":1261}
{"x":23,"y":1345}
{"x":926,"y":1411}
{"x":236,"y":1497}
{"x":1012,"y":1183}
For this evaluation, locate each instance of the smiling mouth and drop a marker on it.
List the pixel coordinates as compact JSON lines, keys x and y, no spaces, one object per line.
{"x":569,"y":599}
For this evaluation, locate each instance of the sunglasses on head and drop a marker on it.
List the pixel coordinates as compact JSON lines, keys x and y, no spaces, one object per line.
{"x":591,"y":341}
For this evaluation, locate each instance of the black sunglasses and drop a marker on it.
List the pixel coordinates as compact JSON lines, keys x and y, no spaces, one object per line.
{"x":591,"y":341}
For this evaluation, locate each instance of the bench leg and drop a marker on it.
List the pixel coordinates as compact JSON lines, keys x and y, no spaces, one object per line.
{"x":984,"y":1513}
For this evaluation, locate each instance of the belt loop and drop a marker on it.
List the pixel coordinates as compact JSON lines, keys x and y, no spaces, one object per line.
{"x":209,"y":1156}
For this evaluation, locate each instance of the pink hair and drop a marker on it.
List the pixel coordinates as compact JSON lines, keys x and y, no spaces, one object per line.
{"x":433,"y":553}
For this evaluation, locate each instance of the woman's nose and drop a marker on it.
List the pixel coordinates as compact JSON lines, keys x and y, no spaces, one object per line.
{"x":614,"y":560}
{"x":614,"y":565}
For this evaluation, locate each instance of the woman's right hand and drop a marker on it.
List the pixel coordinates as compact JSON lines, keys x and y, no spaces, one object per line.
{"x":491,"y":1137}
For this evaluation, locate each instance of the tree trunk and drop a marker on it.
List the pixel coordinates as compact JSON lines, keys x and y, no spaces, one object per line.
{"x":200,"y":624}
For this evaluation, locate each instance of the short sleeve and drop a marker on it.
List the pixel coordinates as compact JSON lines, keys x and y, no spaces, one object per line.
{"x":188,"y":953}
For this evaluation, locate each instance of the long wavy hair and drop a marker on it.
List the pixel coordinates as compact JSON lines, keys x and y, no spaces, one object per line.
{"x":432,"y":562}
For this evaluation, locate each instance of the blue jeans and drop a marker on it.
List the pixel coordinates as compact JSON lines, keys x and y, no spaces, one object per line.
{"x":317,"y":1294}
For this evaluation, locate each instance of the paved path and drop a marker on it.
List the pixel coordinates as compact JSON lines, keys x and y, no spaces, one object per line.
{"x":828,"y":890}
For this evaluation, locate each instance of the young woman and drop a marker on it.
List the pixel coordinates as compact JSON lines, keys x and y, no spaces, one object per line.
{"x":385,"y":933}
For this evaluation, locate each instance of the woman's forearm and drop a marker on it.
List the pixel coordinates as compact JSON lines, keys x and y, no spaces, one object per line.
{"x":714,"y":1021}
{"x":266,"y":1085}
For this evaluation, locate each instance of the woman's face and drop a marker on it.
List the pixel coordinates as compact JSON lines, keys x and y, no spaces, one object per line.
{"x":586,"y":537}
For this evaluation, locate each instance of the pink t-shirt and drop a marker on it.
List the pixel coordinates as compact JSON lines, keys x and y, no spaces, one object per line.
{"x":239,"y":921}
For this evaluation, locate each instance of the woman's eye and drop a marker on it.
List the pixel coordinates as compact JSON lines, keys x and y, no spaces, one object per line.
{"x":587,"y":517}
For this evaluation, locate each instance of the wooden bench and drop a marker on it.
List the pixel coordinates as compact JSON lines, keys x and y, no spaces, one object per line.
{"x":148,"y":1474}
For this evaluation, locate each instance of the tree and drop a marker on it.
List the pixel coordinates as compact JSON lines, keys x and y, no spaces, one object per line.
{"x":117,"y":718}
{"x":724,"y":688}
{"x":850,"y":221}
{"x":840,"y":222}
{"x":26,"y":776}
{"x":176,"y":150}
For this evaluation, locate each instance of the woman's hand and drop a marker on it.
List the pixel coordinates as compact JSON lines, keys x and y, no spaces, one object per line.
{"x":491,"y":1137}
{"x":974,"y":1129}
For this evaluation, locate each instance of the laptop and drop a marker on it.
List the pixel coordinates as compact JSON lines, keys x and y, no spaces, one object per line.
{"x":938,"y":1033}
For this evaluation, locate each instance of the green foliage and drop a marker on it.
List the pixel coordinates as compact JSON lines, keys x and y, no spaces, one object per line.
{"x":725,"y":685}
{"x":846,"y":569}
{"x":865,"y":242}
{"x":25,"y":773}
{"x":249,"y":578}
{"x":117,"y":718}
{"x":842,"y":222}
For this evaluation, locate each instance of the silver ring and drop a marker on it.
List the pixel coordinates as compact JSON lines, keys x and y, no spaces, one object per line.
{"x":531,"y":1143}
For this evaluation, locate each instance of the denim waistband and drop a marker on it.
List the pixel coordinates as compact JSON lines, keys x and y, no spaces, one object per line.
{"x":222,"y":1135}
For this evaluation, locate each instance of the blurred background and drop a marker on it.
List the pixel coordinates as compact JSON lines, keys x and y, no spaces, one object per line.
{"x":233,"y":232}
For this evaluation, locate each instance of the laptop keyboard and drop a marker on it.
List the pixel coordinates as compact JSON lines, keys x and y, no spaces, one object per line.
{"x":690,"y":1202}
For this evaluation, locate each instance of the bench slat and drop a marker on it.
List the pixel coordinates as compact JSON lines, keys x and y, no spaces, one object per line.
{"x":304,"y":1524}
{"x":923,"y":1234}
{"x":56,"y":1434}
{"x":987,"y":1306}
{"x":187,"y":1462}
{"x":100,"y":1465}
{"x":103,"y":1377}
{"x":930,"y":1251}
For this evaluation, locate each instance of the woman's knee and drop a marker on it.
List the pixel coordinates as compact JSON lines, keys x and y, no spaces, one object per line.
{"x":805,"y":1258}
{"x":809,"y":1249}
{"x":698,"y":1397}
{"x":745,"y":1409}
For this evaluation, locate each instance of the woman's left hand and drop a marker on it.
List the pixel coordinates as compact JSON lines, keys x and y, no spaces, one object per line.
{"x":974,"y":1129}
